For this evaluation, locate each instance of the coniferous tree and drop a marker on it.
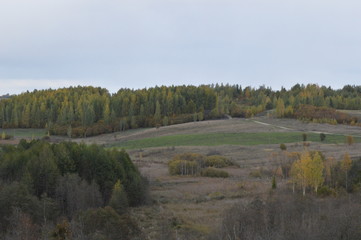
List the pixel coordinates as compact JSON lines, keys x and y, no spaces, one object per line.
{"x":119,"y":200}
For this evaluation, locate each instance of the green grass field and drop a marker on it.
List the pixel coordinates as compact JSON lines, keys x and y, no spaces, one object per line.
{"x":24,"y":132}
{"x":216,"y":139}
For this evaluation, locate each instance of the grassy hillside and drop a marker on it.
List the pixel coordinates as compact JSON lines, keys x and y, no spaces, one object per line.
{"x":217,"y":139}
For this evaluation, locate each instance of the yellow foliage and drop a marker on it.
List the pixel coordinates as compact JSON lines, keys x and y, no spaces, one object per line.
{"x":308,"y":171}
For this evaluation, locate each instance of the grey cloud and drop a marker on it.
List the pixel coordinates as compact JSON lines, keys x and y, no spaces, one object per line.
{"x":141,"y":43}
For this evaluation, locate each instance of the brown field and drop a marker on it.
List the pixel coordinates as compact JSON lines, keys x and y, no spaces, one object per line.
{"x":192,"y":207}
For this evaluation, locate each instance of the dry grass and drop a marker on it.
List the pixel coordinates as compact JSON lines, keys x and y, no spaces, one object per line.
{"x":198,"y":203}
{"x":191,"y":207}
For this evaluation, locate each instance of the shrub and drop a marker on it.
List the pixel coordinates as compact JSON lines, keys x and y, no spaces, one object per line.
{"x":322,"y":137}
{"x":119,"y":200}
{"x":261,"y":172}
{"x":61,"y":231}
{"x":274,"y":184}
{"x":256,"y":173}
{"x":5,"y":136}
{"x":216,"y":195}
{"x":106,"y":223}
{"x":213,"y":172}
{"x":46,"y":138}
{"x":323,"y":115}
{"x":325,"y":191}
{"x":217,"y":161}
{"x":190,"y":157}
{"x":349,"y":140}
{"x":183,"y":167}
{"x":193,"y":163}
{"x":213,"y":152}
{"x":283,"y":147}
{"x":306,"y":144}
{"x":304,"y":137}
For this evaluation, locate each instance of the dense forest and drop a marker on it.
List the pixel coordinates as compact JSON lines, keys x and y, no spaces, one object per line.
{"x":84,"y":111}
{"x":67,"y":189}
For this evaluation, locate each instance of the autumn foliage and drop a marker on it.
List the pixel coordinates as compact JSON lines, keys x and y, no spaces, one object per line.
{"x":41,"y":184}
{"x":323,"y":115}
{"x":86,"y":111}
{"x":195,"y":164}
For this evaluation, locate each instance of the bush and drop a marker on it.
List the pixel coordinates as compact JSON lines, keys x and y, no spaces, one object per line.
{"x":325,"y":191}
{"x":119,"y":199}
{"x":350,"y":140}
{"x":322,"y":137}
{"x":306,"y":144}
{"x":213,"y":172}
{"x":261,"y":172}
{"x":256,"y":173}
{"x":106,"y":223}
{"x":183,"y":167}
{"x":193,"y":163}
{"x":81,"y":131}
{"x":190,"y":157}
{"x":283,"y":147}
{"x":274,"y":183}
{"x":46,"y":138}
{"x":213,"y":152}
{"x":304,"y":137}
{"x":5,"y":136}
{"x":217,"y":161}
{"x":186,"y":164}
{"x":323,"y":115}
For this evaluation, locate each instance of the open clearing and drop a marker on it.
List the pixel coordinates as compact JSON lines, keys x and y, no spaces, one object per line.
{"x":24,"y":132}
{"x":192,"y":207}
{"x":217,"y":139}
{"x":266,"y":127}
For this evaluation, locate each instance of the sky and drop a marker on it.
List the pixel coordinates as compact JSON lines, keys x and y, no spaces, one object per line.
{"x":143,"y":43}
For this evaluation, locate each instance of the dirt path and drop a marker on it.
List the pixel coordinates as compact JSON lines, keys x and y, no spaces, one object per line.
{"x":267,"y":124}
{"x":305,"y":127}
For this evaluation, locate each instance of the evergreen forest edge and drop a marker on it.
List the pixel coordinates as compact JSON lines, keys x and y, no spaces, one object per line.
{"x":68,"y":188}
{"x":87,"y":111}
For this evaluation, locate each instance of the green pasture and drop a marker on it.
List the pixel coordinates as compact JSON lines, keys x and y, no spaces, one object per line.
{"x":216,"y":139}
{"x":24,"y":132}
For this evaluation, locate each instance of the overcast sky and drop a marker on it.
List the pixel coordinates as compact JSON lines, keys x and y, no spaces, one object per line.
{"x":143,"y":43}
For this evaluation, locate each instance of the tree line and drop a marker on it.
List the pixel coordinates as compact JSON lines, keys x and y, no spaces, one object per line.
{"x":84,"y":111}
{"x":281,"y":216}
{"x":67,"y":188}
{"x":312,"y":171}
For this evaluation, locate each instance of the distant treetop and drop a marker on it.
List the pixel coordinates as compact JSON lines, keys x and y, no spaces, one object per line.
{"x":84,"y":111}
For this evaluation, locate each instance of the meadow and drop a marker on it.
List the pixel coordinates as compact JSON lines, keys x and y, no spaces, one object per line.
{"x":218,"y":139}
{"x":24,"y":132}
